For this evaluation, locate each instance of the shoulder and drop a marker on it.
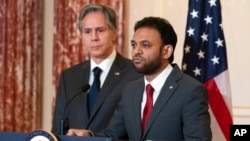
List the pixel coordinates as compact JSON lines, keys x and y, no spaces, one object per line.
{"x":182,"y":77}
{"x":122,"y":60}
{"x":78,"y":67}
{"x":186,"y":85}
{"x":124,"y":64}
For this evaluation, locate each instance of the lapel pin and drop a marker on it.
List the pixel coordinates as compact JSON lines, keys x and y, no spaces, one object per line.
{"x":171,"y":87}
{"x":117,"y":73}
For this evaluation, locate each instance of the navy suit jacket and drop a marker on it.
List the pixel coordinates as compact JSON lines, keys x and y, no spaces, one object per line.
{"x":180,"y":112}
{"x":76,"y":113}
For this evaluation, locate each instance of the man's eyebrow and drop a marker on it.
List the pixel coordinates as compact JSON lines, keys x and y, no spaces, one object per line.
{"x":143,"y":41}
{"x":89,"y":28}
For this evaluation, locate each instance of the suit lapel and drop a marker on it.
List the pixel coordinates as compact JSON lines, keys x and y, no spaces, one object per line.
{"x":84,"y":74}
{"x":82,"y":102}
{"x":114,"y":75}
{"x":138,"y":92}
{"x":166,"y":92}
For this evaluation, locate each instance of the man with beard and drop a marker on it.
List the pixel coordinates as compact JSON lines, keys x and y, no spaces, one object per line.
{"x":164,"y":105}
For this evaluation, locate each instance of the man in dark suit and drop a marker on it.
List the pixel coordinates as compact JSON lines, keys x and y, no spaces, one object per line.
{"x":75,"y":108}
{"x":166,"y":104}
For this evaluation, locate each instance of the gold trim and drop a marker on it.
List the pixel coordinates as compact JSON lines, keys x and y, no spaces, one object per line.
{"x":241,"y":112}
{"x":241,"y":107}
{"x":241,"y":116}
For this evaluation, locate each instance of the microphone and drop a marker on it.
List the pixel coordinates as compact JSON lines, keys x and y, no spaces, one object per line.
{"x":83,"y":89}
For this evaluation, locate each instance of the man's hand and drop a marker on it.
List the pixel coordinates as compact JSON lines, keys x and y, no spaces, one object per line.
{"x":78,"y":132}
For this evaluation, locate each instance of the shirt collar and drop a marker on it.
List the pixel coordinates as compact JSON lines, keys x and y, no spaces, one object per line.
{"x":159,"y":81}
{"x":105,"y":65}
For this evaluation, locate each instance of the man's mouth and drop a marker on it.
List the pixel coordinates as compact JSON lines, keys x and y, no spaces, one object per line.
{"x":137,"y":59}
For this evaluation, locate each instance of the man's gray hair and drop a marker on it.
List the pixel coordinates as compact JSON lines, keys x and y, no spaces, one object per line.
{"x":108,"y":12}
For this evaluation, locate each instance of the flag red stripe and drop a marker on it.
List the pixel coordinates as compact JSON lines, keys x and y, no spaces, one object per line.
{"x":219,"y":108}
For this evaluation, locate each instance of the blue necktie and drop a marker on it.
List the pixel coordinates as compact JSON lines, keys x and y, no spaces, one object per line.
{"x":94,"y":90}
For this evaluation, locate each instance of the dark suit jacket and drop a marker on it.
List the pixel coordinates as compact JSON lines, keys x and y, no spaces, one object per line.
{"x":180,"y":112}
{"x":76,"y":112}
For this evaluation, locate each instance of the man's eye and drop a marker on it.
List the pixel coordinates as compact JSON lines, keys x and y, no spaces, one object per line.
{"x":86,"y":31}
{"x":100,"y":30}
{"x":146,"y":45}
{"x":133,"y":45}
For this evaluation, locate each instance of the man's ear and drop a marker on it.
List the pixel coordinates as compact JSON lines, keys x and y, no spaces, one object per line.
{"x":167,"y":51}
{"x":115,"y":35}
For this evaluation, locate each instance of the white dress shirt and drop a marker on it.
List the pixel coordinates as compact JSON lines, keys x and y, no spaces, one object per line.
{"x":105,"y":65}
{"x":157,"y":84}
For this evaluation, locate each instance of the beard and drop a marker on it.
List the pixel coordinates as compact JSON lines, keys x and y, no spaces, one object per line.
{"x":148,"y":68}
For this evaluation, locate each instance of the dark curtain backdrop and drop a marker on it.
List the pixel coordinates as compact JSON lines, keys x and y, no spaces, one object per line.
{"x":68,"y":49}
{"x":20,"y":65}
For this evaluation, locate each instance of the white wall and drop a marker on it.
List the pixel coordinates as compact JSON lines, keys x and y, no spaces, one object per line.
{"x":236,"y":21}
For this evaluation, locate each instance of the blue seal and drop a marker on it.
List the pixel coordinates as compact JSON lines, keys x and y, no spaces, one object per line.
{"x":41,"y":135}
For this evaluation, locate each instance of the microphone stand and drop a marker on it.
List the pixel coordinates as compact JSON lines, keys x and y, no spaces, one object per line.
{"x":83,"y":89}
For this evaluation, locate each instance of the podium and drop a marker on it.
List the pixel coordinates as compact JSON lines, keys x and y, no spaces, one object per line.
{"x":15,"y":136}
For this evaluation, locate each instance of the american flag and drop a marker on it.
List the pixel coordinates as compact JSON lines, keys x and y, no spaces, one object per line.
{"x":205,"y":58}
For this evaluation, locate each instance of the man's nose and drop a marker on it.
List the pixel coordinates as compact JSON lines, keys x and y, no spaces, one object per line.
{"x":94,"y":36}
{"x":137,"y":50}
